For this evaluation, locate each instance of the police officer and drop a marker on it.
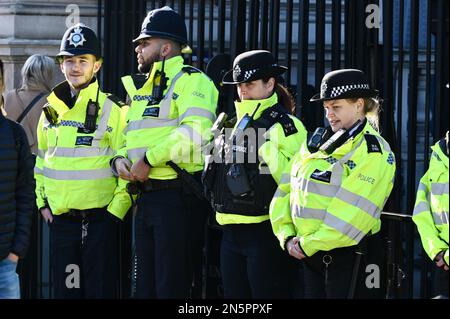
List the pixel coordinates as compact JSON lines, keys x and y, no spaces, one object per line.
{"x":243,"y":178}
{"x":78,"y":134}
{"x":431,"y":214}
{"x":172,"y":110}
{"x":333,"y":200}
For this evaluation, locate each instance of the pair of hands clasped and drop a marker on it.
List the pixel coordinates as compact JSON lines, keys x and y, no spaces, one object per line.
{"x":132,"y":172}
{"x":294,"y":249}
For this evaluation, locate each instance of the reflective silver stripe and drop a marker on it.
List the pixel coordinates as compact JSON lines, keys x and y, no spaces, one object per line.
{"x":149,"y":123}
{"x":439,"y":189}
{"x":421,"y":207}
{"x":38,"y":170}
{"x":164,"y":106}
{"x":80,"y":151}
{"x":103,"y":122}
{"x":359,"y":201}
{"x":422,"y":187}
{"x":344,"y":227}
{"x":197,"y":111}
{"x":41,"y":154}
{"x":320,"y":189}
{"x":279,"y":193}
{"x":78,"y":174}
{"x":135,"y":153}
{"x":386,"y":146}
{"x":440,"y":218}
{"x":192,"y":134}
{"x":311,"y":213}
{"x":285,"y":178}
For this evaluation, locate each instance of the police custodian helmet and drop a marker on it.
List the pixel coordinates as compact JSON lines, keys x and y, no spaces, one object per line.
{"x":77,"y":40}
{"x":164,"y":23}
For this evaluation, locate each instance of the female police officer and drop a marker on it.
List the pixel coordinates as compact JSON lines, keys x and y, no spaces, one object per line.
{"x":334,"y":198}
{"x":242,"y":177}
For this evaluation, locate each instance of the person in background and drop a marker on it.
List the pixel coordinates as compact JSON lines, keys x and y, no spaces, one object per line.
{"x":16,"y":201}
{"x":431,"y":214}
{"x":24,"y":105}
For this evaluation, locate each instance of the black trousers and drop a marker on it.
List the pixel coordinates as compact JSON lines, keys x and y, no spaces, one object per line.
{"x":253,"y":265}
{"x":334,"y":281}
{"x":169,"y":228}
{"x":84,"y":262}
{"x":440,"y":282}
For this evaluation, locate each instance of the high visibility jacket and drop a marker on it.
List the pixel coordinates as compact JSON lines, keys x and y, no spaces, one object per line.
{"x":431,"y":208}
{"x":174,"y":129}
{"x":332,"y":201}
{"x":276,"y":150}
{"x":72,"y":169}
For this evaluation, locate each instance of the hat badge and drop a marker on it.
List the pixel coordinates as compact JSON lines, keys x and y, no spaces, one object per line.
{"x":76,"y":38}
{"x":236,"y":71}
{"x":323,"y":89}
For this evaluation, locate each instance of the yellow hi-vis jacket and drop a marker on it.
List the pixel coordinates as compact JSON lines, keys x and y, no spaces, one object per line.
{"x":332,"y":201}
{"x":431,"y":208}
{"x":178,"y":126}
{"x":276,"y":151}
{"x":72,"y":169}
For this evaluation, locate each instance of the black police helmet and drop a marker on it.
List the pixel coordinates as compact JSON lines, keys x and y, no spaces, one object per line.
{"x":79,"y":40}
{"x":253,"y":65}
{"x":164,"y":23}
{"x":344,"y":84}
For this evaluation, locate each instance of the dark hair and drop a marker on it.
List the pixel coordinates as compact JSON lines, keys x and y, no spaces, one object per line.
{"x":285,"y":98}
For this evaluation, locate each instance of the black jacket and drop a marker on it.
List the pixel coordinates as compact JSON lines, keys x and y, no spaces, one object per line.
{"x":17,"y":199}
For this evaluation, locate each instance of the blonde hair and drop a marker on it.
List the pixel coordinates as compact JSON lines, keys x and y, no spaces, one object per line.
{"x":37,"y":73}
{"x":371,"y":110}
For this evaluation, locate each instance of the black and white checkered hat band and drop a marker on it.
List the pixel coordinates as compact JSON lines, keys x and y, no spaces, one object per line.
{"x":339,"y":90}
{"x":247,"y":73}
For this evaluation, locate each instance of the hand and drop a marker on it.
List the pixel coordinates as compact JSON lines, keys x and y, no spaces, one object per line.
{"x":440,"y":261}
{"x":123,"y":167}
{"x":294,"y":249}
{"x":13,"y":257}
{"x":140,"y":170}
{"x":47,"y":215}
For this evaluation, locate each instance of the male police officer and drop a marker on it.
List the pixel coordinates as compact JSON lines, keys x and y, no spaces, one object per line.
{"x":78,"y":134}
{"x":171,"y":114}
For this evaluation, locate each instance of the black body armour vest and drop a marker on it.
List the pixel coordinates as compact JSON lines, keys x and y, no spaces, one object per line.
{"x":235,"y":179}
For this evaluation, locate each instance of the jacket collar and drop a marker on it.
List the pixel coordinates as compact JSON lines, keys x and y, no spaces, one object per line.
{"x":60,"y":97}
{"x":171,"y":67}
{"x":249,"y":106}
{"x":440,"y":154}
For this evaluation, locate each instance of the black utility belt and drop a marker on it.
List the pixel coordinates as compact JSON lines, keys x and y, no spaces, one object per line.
{"x":152,"y":185}
{"x":77,"y":213}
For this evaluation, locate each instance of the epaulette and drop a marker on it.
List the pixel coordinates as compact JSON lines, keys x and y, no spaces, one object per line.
{"x":116,"y":100}
{"x":190,"y":69}
{"x":373,"y":146}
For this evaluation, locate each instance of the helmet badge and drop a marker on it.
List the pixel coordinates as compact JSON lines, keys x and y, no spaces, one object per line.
{"x":76,"y":38}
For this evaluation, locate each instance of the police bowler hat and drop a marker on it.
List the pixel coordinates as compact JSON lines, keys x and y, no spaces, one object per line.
{"x":164,"y":23}
{"x":344,"y":84}
{"x":77,"y":40}
{"x":253,"y":65}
